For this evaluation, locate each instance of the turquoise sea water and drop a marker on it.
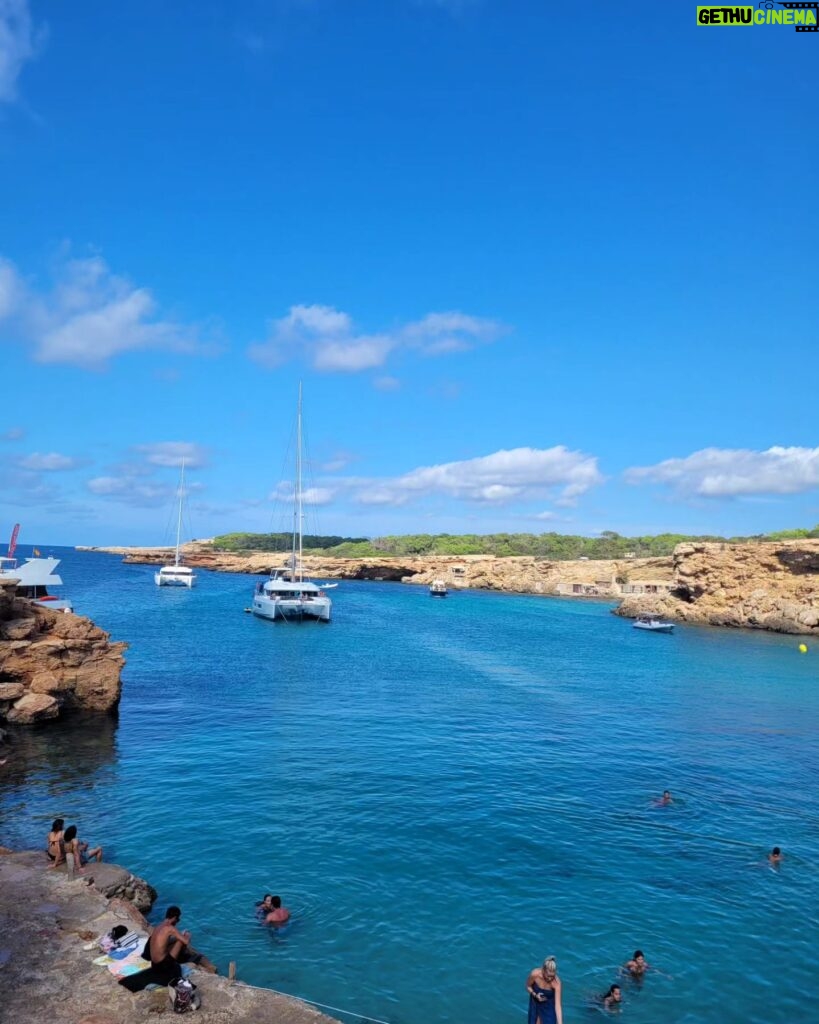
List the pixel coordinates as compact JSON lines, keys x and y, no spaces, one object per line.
{"x":444,"y":792}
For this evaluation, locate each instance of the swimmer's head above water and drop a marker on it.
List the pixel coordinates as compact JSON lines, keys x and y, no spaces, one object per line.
{"x":637,"y":964}
{"x":775,"y":856}
{"x":614,"y":995}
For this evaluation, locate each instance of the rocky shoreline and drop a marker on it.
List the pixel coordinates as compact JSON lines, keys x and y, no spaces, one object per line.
{"x":750,"y":585}
{"x":46,"y":974}
{"x":53,"y":663}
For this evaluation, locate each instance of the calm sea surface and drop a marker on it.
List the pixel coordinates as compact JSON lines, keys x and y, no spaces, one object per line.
{"x":444,"y":792}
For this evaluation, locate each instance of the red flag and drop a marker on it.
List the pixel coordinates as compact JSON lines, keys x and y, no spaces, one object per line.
{"x":13,"y":541}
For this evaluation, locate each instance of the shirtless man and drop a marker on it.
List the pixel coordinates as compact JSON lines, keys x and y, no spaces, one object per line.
{"x":166,"y":946}
{"x":665,"y":799}
{"x":637,"y":966}
{"x":279,"y":915}
{"x":775,"y":856}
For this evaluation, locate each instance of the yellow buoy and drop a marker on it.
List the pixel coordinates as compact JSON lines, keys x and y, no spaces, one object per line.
{"x":803,"y":648}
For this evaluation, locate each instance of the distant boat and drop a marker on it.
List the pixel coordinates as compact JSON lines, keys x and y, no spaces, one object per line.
{"x":287,"y":594}
{"x":177,"y":575}
{"x":438,"y":589}
{"x":653,"y":625}
{"x":34,"y":577}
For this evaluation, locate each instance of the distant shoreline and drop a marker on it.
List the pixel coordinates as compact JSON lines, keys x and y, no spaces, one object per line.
{"x":753,"y":585}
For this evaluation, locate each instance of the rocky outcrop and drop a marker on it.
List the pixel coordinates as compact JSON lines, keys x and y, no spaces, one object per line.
{"x":53,"y":662}
{"x":514,"y":574}
{"x":49,"y":929}
{"x":771,"y":586}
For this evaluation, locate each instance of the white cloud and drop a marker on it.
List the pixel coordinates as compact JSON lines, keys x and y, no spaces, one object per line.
{"x":387,"y":383}
{"x":352,"y":356}
{"x":18,"y":43}
{"x":171,"y":453}
{"x":49,"y":462}
{"x":734,"y":472}
{"x":518,"y":474}
{"x":338,"y":462}
{"x":89,"y":316}
{"x":326,"y":337}
{"x":439,"y":333}
{"x":13,"y":434}
{"x":131,"y":490}
{"x":285,"y":492}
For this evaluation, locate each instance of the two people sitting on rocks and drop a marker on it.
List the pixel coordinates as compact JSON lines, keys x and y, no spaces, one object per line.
{"x":64,"y":847}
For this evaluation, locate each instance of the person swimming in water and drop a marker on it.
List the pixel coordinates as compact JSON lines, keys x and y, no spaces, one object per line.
{"x":637,"y":966}
{"x":665,"y":800}
{"x":264,"y":907}
{"x":279,"y":915}
{"x":775,"y":857}
{"x":543,"y":986}
{"x":612,"y":999}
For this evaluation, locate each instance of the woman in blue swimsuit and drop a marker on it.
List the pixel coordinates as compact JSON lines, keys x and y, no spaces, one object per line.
{"x":543,"y":986}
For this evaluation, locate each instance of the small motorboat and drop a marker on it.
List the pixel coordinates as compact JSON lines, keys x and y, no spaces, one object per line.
{"x":438,"y":588}
{"x":653,"y":624}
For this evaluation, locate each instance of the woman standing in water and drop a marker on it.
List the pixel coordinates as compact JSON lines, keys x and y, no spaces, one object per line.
{"x":543,"y":986}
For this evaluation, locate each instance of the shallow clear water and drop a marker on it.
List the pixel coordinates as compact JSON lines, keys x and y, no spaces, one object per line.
{"x":446,"y":791}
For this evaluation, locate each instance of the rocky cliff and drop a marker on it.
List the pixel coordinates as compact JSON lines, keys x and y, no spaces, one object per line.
{"x":757,"y":585}
{"x":53,"y":662}
{"x":516,"y":574}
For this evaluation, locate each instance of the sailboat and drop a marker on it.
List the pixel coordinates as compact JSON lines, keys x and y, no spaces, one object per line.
{"x":177,"y":575}
{"x":287,"y":594}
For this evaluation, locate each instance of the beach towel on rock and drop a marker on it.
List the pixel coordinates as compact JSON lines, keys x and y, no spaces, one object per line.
{"x":131,"y":963}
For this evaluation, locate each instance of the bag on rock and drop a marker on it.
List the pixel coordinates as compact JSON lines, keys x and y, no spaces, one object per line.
{"x":183,"y":996}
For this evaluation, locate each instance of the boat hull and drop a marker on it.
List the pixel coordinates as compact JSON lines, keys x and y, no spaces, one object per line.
{"x":56,"y":604}
{"x":293,"y":609}
{"x":660,"y":627}
{"x":168,"y":580}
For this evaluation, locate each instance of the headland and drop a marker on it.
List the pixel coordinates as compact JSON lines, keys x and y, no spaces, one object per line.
{"x":772,"y":585}
{"x":53,"y":662}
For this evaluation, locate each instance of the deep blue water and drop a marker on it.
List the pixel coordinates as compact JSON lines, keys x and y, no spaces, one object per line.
{"x":444,"y":792}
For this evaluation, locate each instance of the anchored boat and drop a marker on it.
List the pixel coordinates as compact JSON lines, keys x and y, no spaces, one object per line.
{"x":653,"y":625}
{"x":34,"y":577}
{"x":177,"y":575}
{"x":287,"y":594}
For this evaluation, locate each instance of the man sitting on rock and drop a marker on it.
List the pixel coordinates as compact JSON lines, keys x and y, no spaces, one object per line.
{"x":167,"y":948}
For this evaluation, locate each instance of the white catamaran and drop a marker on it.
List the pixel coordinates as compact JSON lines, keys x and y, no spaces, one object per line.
{"x":177,"y":575}
{"x":287,"y":594}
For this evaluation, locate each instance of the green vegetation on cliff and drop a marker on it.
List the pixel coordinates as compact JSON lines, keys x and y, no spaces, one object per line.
{"x":279,"y":542}
{"x":554,"y":546}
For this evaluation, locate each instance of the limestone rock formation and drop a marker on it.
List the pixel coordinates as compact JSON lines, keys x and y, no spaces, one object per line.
{"x":771,"y":586}
{"x":760,"y":585}
{"x":51,"y":662}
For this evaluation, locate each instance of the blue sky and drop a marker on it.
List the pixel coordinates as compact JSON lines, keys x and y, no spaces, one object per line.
{"x":540,"y":266}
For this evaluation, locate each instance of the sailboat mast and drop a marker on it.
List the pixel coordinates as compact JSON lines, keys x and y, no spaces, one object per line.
{"x":179,"y":515}
{"x":300,"y":504}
